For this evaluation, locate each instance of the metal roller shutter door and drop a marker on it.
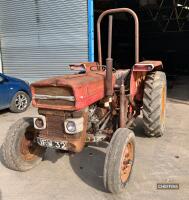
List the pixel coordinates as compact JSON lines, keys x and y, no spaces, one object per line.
{"x":40,"y":38}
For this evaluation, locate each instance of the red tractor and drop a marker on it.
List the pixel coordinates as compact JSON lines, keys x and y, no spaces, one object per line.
{"x":97,"y":103}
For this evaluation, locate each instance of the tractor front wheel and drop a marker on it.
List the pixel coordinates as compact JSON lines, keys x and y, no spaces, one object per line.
{"x":20,"y":151}
{"x":119,"y":160}
{"x":154,"y":104}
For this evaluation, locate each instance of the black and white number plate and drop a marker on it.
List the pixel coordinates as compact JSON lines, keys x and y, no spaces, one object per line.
{"x":63,"y":145}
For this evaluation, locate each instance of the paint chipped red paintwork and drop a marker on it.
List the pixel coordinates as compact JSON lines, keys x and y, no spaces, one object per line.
{"x":87,"y":88}
{"x":137,"y":79}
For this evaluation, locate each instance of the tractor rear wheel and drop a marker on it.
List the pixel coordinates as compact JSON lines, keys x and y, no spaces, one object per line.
{"x":20,"y":151}
{"x":154,"y":104}
{"x":119,"y":160}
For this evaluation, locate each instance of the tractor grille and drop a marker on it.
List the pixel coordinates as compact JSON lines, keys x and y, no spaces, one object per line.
{"x":54,"y":96}
{"x":55,"y":129}
{"x":55,"y":125}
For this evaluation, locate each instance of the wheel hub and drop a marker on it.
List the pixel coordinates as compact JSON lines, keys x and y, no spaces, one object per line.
{"x":127,"y":162}
{"x":29,"y":149}
{"x":21,"y":102}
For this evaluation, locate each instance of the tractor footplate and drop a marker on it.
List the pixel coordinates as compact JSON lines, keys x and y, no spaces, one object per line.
{"x":63,"y":145}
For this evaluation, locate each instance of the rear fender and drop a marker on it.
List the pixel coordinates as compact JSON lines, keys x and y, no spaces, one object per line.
{"x":138,"y":75}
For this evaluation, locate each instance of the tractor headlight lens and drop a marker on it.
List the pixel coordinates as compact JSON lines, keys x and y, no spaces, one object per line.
{"x":71,"y":126}
{"x":39,"y":123}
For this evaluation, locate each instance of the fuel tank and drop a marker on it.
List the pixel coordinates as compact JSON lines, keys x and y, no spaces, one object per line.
{"x":69,"y":92}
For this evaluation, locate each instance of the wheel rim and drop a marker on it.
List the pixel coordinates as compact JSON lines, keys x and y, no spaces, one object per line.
{"x":28,"y":148}
{"x":21,"y":102}
{"x":163,"y":104}
{"x":127,"y":162}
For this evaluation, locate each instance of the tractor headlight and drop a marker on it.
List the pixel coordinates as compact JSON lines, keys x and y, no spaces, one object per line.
{"x":73,"y":125}
{"x":40,"y":122}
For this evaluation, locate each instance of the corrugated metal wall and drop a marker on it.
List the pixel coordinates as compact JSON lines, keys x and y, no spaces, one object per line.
{"x":40,"y":38}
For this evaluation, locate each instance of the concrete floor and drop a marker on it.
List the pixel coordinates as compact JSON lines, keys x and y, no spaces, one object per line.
{"x":158,"y":160}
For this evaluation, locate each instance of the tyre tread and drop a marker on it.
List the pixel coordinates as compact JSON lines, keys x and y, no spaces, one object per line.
{"x":152,"y":103}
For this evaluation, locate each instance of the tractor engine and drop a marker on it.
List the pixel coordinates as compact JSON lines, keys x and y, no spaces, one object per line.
{"x":97,"y":115}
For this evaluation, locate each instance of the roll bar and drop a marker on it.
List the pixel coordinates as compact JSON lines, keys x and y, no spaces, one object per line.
{"x":109,"y":60}
{"x":112,"y":11}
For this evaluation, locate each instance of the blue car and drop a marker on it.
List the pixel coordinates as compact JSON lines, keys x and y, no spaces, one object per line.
{"x":15,"y":94}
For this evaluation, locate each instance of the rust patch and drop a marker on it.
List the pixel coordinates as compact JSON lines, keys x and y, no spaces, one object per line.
{"x":28,"y":149}
{"x":55,"y":130}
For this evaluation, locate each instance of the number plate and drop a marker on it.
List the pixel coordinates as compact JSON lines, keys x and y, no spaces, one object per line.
{"x":63,"y":145}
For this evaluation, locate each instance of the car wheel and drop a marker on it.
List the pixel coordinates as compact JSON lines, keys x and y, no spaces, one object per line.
{"x":20,"y":102}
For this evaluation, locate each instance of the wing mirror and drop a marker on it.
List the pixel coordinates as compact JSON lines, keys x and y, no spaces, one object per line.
{"x":1,"y":79}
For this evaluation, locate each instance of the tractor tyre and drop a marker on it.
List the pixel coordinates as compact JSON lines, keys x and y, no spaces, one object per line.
{"x":154,"y":104}
{"x":20,"y":151}
{"x":119,"y":160}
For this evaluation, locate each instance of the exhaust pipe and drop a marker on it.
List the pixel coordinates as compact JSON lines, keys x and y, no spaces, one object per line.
{"x":109,"y":61}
